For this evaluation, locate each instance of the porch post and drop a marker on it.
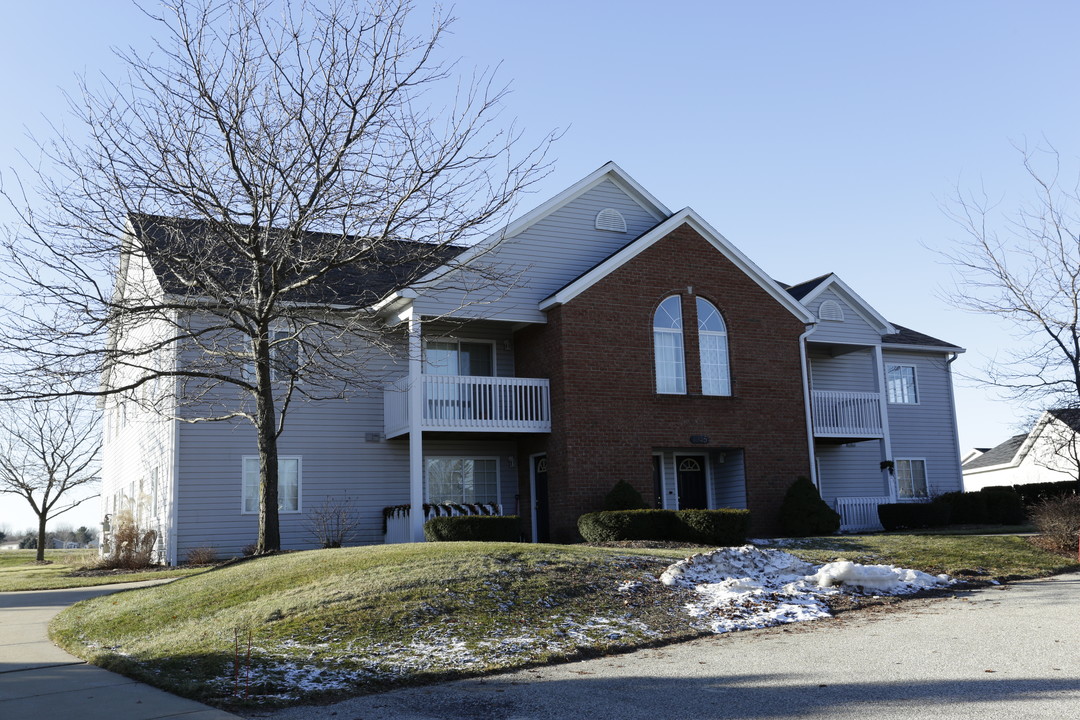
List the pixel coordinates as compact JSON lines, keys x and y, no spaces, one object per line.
{"x":886,"y":441}
{"x":416,"y":434}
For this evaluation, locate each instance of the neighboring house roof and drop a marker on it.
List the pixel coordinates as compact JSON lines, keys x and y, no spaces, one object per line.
{"x":686,"y":216}
{"x":1002,"y":454}
{"x":1012,"y":451}
{"x":1069,"y":416}
{"x":391,"y":264}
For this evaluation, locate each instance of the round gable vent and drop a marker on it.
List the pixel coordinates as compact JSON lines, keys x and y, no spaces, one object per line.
{"x":610,"y":219}
{"x":831,"y":310}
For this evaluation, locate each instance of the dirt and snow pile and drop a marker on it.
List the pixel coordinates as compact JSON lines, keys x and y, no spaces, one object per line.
{"x":748,"y":587}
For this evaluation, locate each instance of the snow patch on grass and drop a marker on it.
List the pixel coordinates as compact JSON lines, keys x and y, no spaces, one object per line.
{"x":748,"y":587}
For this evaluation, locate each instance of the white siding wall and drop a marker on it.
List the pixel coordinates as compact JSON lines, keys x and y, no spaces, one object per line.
{"x":545,"y":257}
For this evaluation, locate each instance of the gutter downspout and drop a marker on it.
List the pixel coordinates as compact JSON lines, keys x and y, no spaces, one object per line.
{"x":889,"y":476}
{"x":955,"y":426}
{"x":807,"y":404}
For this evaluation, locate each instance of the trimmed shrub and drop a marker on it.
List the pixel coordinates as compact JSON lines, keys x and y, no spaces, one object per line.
{"x":615,"y":525}
{"x":725,"y":527}
{"x":909,"y":516}
{"x":964,"y":507}
{"x":485,"y":528}
{"x":1058,"y":522}
{"x":1003,"y":506}
{"x":705,"y":527}
{"x":804,"y":513}
{"x":624,"y":497}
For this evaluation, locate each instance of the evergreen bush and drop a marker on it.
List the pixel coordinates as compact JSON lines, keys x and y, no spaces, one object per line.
{"x":804,"y":513}
{"x":624,"y":496}
{"x":1003,"y":506}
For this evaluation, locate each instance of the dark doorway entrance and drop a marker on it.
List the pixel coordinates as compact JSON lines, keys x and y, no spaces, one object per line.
{"x":540,"y":497}
{"x":690,"y":473}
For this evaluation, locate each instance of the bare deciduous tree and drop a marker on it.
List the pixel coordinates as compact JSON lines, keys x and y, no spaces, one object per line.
{"x":48,"y":455}
{"x":1024,"y":268}
{"x":257,"y":185}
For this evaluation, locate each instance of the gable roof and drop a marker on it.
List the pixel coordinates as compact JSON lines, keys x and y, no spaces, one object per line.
{"x":686,"y":216}
{"x":609,"y":171}
{"x":800,"y":290}
{"x":912,"y":338}
{"x":891,"y":333}
{"x":806,"y":291}
{"x":391,"y":264}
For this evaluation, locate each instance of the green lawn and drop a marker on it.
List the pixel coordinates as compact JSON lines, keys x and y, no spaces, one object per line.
{"x":330,"y":623}
{"x":19,"y":571}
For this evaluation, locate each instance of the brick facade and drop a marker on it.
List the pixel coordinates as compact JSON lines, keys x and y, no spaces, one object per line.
{"x":607,"y":418}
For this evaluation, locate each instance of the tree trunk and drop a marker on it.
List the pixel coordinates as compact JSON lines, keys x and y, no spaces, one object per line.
{"x":41,"y":538}
{"x":266,"y":428}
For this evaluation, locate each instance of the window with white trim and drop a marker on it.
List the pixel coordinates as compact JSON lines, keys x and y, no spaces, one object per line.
{"x":459,"y":357}
{"x":289,"y":482}
{"x":285,"y":349}
{"x":911,"y":479}
{"x":668,"y":347}
{"x":713,"y":349}
{"x":900,"y":384}
{"x":462,"y":479}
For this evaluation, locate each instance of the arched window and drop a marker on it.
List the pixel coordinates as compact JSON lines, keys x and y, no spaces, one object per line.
{"x":668,"y":347}
{"x":712,"y":342}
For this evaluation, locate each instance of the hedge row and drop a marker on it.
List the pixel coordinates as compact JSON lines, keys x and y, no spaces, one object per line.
{"x":989,"y":506}
{"x":705,"y":527}
{"x":1034,"y":493}
{"x":484,"y":528}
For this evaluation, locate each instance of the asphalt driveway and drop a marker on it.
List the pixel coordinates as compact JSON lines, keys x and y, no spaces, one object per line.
{"x":1008,"y":652}
{"x":39,"y":680}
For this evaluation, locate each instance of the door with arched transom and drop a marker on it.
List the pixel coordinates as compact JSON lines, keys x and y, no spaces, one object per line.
{"x":691,"y":477}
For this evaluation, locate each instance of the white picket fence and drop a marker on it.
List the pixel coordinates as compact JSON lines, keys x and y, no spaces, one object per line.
{"x":859,"y":514}
{"x":397,"y":521}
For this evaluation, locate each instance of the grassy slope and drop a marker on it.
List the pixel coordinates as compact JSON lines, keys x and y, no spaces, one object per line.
{"x":18,"y":571}
{"x":337,"y":622}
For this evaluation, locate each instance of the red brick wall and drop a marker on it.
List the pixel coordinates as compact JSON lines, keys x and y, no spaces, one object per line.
{"x":606,"y":415}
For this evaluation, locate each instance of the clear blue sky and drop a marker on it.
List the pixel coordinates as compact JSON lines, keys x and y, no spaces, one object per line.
{"x":818,"y":137}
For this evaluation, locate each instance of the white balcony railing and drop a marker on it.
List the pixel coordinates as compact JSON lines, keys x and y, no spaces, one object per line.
{"x":847,"y":414}
{"x":472,"y":404}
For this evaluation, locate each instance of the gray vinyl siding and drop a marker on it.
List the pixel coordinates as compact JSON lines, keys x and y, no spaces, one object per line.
{"x":543,"y":258}
{"x":927,"y":430}
{"x":850,"y":471}
{"x":851,"y":372}
{"x":854,"y":329}
{"x":728,"y":479}
{"x":337,"y":461}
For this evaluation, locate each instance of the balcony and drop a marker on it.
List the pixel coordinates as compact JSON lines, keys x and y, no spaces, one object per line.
{"x":847,"y":415}
{"x":466,"y":403}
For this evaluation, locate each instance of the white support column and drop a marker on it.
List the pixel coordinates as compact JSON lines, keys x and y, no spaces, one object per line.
{"x":886,"y":441}
{"x":416,"y":434}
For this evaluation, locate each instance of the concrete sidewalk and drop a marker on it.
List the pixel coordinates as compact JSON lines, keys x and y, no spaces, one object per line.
{"x":38,"y":679}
